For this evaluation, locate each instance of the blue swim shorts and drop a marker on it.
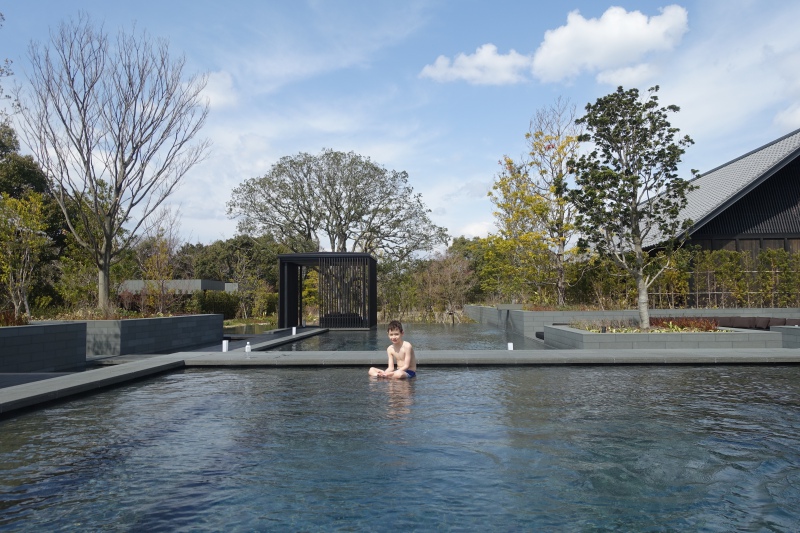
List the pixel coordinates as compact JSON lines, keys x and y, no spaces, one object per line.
{"x":411,"y":374}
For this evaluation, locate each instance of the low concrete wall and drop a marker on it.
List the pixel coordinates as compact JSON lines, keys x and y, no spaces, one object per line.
{"x":567,"y":338}
{"x":528,"y":323}
{"x":43,"y":347}
{"x":791,"y":335}
{"x":151,"y":335}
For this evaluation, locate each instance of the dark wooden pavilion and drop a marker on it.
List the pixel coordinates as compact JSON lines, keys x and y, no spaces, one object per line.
{"x":751,"y":203}
{"x":347,"y":290}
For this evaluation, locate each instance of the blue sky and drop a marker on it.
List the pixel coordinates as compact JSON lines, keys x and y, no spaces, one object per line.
{"x":443,"y":89}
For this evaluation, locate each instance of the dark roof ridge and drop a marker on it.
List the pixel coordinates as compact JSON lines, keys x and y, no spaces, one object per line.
{"x":726,"y":184}
{"x":751,"y":152}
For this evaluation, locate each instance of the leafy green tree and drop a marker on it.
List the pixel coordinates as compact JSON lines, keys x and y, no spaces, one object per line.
{"x":598,"y":282}
{"x":21,"y":175}
{"x":252,"y":262}
{"x":397,"y":290}
{"x":553,"y":141}
{"x":345,"y":199}
{"x":518,"y":255}
{"x":628,"y":191}
{"x":22,"y":243}
{"x":533,"y":213}
{"x":215,"y":302}
{"x":112,"y":124}
{"x":265,"y":299}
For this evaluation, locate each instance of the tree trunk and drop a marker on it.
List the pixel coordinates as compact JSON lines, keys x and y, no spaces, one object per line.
{"x":16,"y":302}
{"x":561,"y":288}
{"x":644,"y":304}
{"x":104,"y":270}
{"x":25,"y":301}
{"x":103,"y":285}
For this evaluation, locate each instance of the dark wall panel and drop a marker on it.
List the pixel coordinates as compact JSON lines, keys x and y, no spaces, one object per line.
{"x":772,"y":209}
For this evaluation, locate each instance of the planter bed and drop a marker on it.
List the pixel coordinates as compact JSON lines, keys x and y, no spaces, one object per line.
{"x":529,"y":323}
{"x":565,"y":337}
{"x":151,"y":335}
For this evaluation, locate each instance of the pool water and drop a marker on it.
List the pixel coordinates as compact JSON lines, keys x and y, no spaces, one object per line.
{"x":424,"y":337}
{"x":627,"y":448}
{"x":248,"y":329}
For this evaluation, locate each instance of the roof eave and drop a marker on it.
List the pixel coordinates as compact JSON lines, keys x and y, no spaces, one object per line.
{"x":758,"y":180}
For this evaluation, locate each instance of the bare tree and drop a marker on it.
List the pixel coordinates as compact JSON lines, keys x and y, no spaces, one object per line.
{"x":111,"y":123}
{"x":454,"y":279}
{"x":5,"y":71}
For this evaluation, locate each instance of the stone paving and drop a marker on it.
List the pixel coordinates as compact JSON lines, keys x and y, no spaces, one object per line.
{"x":110,"y":371}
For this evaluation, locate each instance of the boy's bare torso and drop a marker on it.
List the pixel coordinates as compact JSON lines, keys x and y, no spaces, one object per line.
{"x":403,"y":354}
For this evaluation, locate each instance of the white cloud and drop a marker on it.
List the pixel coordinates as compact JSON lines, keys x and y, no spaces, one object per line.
{"x":476,"y":229}
{"x":220,"y":91}
{"x":628,"y":76}
{"x":613,"y":41}
{"x":484,"y":67}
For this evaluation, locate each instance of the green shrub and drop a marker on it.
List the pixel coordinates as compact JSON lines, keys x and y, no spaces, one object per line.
{"x":215,"y":302}
{"x":265,"y":303}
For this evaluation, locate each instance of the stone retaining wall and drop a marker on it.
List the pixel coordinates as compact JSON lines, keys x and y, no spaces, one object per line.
{"x":791,"y":335}
{"x":528,"y":323}
{"x":567,"y":338}
{"x":43,"y":348}
{"x":151,"y":335}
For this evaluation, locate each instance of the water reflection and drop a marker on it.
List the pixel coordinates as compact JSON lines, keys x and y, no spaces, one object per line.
{"x":400,"y":396}
{"x":248,"y":329}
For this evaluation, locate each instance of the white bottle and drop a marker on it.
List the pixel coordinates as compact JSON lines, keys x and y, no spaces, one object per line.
{"x":247,"y":347}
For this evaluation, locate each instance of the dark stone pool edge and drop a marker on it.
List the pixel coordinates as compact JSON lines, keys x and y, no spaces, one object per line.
{"x":38,"y":393}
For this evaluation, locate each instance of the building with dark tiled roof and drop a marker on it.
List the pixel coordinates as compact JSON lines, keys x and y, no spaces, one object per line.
{"x":751,"y":203}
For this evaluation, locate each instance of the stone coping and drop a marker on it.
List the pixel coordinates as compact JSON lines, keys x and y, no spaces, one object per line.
{"x":40,"y":393}
{"x":566,"y":337}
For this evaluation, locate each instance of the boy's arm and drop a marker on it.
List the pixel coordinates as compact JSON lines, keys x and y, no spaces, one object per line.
{"x":390,"y":364}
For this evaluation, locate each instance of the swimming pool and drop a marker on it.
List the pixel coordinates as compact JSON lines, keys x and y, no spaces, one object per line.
{"x":422,"y":336}
{"x":509,"y":449}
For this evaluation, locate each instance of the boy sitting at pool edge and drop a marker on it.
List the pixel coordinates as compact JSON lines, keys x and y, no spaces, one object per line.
{"x":400,"y":351}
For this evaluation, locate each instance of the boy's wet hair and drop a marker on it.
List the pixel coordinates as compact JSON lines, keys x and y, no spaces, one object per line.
{"x":395,"y":324}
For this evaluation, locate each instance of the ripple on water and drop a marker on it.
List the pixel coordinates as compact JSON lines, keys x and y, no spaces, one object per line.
{"x":572,"y":448}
